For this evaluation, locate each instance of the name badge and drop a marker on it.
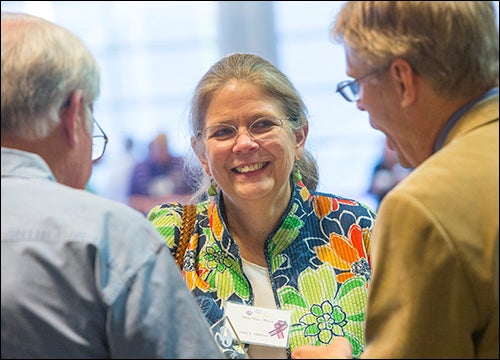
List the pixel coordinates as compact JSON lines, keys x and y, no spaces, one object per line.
{"x":256,"y":325}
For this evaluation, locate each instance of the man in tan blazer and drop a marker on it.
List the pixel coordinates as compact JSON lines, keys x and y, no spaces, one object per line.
{"x":427,"y":74}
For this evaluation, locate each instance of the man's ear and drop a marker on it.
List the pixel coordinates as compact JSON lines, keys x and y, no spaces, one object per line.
{"x":406,"y":81}
{"x":70,"y":113}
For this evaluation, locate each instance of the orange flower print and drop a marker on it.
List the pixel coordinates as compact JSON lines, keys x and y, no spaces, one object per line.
{"x":215,"y":222}
{"x":346,"y":254}
{"x":324,"y":205}
{"x":189,"y":270}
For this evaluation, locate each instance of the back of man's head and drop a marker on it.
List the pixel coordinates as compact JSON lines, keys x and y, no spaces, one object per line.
{"x":42,"y":64}
{"x":454,"y":44}
{"x":50,"y":81}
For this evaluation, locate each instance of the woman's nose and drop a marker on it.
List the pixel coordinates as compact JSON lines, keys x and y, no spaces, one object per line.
{"x":244,"y":141}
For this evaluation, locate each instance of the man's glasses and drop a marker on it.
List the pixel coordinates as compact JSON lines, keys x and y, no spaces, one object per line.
{"x":262,"y":129}
{"x":349,"y":89}
{"x":99,"y":142}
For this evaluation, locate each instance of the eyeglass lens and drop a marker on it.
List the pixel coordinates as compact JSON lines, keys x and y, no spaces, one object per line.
{"x":99,"y":142}
{"x":261,"y":129}
{"x":349,"y":90}
{"x":98,"y":145}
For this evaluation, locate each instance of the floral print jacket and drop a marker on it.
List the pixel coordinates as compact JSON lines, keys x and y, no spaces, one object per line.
{"x":318,"y":263}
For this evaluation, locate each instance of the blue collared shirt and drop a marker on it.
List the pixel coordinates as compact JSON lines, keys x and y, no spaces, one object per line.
{"x":86,"y":277}
{"x":458,"y":114}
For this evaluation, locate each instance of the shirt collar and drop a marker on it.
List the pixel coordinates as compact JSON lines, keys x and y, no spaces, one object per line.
{"x":458,"y":114}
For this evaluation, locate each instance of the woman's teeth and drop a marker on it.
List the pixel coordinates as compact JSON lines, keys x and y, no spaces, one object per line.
{"x":248,"y":168}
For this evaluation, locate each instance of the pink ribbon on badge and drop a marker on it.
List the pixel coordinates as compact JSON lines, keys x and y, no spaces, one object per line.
{"x":279,"y":327}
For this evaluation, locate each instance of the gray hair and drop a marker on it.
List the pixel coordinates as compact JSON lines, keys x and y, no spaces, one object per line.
{"x":452,"y":43}
{"x":42,"y":64}
{"x":260,"y":72}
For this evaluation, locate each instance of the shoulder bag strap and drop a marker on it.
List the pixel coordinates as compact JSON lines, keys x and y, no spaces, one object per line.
{"x":187,"y":227}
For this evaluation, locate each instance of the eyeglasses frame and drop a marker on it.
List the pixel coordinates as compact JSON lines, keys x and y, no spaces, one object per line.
{"x":349,"y":83}
{"x":200,"y":133}
{"x":102,"y":135}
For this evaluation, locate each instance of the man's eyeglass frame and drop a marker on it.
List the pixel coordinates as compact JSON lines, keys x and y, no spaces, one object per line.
{"x":103,"y":136}
{"x":353,"y":85}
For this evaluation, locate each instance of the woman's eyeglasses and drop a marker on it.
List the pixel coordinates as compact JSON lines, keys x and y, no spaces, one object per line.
{"x":262,"y":129}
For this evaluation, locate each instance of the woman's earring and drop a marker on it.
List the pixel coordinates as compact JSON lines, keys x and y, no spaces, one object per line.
{"x":212,"y":191}
{"x":297,"y":176}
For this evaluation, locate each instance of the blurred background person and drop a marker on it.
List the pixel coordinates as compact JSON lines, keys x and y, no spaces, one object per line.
{"x":161,"y":177}
{"x":117,"y":182}
{"x":387,"y":173}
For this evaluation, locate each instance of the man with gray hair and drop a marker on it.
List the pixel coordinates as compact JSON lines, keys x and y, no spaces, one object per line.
{"x":427,"y":74}
{"x":81,"y":276}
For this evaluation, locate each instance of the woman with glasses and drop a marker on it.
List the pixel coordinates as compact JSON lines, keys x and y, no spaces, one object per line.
{"x":265,"y":238}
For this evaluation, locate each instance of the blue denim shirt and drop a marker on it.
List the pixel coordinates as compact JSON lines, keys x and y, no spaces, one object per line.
{"x":86,"y":277}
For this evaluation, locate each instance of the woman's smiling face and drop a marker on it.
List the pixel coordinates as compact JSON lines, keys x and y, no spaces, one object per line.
{"x":245,"y":168}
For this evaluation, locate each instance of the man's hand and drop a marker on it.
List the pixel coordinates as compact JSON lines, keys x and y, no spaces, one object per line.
{"x":340,"y":348}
